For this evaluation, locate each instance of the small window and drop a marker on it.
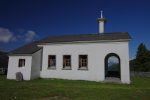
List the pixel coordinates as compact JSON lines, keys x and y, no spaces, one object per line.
{"x":21,"y":63}
{"x":83,"y":62}
{"x":66,"y":62}
{"x":52,"y":61}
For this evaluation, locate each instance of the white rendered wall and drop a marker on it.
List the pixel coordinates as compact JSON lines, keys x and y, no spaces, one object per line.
{"x":101,"y":26}
{"x":96,"y":54}
{"x":13,"y":67}
{"x":36,"y":64}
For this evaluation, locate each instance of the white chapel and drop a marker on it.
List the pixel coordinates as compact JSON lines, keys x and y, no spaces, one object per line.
{"x":93,"y":57}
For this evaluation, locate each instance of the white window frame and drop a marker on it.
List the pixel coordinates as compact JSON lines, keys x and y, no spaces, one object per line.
{"x":21,"y":62}
{"x":83,"y":63}
{"x":67,"y":62}
{"x":51,"y":66}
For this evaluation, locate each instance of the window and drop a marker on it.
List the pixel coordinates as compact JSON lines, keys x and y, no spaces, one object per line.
{"x":21,"y":63}
{"x":66,"y":62}
{"x":52,"y":61}
{"x":83,"y":61}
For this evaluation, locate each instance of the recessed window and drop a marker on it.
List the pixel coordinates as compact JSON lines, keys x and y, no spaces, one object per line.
{"x":66,"y":62}
{"x":21,"y":63}
{"x":52,"y":61}
{"x":83,"y":62}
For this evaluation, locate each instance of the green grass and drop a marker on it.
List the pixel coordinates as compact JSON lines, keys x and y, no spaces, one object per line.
{"x":56,"y":89}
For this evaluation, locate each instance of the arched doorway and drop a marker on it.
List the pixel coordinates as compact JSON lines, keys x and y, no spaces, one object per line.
{"x":112,"y":65}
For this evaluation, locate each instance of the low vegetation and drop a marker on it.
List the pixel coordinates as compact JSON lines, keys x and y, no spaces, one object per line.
{"x":56,"y":89}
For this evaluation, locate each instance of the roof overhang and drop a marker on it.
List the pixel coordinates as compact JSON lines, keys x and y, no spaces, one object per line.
{"x":19,"y":54}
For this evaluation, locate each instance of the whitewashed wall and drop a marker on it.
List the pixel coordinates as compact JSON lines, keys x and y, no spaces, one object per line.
{"x":13,"y":67}
{"x":96,"y":54}
{"x":36,"y":64}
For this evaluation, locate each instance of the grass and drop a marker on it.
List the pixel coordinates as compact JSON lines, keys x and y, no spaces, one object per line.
{"x":56,"y":89}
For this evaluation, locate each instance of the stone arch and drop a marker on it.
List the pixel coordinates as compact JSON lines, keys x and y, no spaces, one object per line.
{"x":112,"y":69}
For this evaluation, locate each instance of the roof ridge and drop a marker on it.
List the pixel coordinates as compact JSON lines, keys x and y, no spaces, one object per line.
{"x":86,"y":34}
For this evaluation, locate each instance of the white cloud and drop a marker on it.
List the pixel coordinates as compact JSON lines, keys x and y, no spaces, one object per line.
{"x":30,"y":35}
{"x":6,"y":35}
{"x":113,"y":60}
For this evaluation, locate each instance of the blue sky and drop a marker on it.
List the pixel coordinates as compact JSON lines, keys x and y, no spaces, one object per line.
{"x":24,"y":21}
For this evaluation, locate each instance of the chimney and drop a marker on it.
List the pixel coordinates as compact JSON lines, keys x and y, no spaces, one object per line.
{"x":101,"y":22}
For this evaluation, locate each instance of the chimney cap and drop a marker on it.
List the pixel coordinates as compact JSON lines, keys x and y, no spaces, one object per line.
{"x":101,"y":17}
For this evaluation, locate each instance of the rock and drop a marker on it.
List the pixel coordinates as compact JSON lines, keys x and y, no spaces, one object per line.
{"x":19,"y":76}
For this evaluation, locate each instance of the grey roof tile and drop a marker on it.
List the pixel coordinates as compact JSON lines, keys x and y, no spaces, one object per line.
{"x":86,"y":37}
{"x":26,"y":49}
{"x":32,"y":47}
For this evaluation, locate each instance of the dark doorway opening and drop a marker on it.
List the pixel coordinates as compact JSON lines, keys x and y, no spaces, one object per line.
{"x":112,"y":65}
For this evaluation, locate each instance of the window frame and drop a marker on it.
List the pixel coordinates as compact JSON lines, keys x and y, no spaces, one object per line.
{"x":81,"y":63}
{"x":51,"y":66}
{"x":21,"y":62}
{"x":67,"y":64}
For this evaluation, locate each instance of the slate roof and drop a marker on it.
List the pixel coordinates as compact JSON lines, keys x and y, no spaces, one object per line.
{"x":86,"y":37}
{"x":26,"y":49}
{"x":32,"y":47}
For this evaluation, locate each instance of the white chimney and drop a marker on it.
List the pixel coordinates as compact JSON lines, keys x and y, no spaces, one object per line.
{"x":101,"y":22}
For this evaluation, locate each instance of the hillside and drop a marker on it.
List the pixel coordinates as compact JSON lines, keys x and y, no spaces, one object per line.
{"x":3,"y":59}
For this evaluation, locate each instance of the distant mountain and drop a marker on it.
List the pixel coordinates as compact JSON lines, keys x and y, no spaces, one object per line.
{"x":3,"y":59}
